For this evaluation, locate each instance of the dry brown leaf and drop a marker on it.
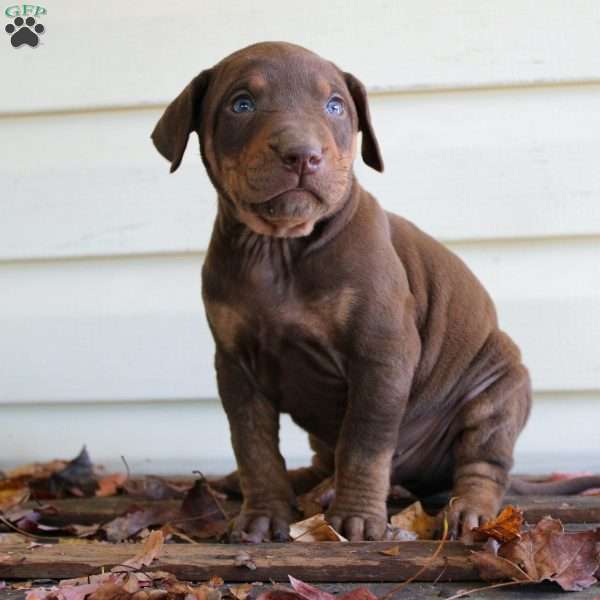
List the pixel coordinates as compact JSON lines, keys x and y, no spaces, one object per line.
{"x":545,"y":552}
{"x":36,"y":470}
{"x":12,"y":493}
{"x":315,"y":529}
{"x":135,"y":520}
{"x":153,"y":487}
{"x":108,"y":591}
{"x":309,"y":592}
{"x":202,"y":514}
{"x":318,"y":499}
{"x":169,"y":531}
{"x":150,"y":551}
{"x":204,"y":592}
{"x":361,"y":593}
{"x":109,"y":485}
{"x":240,"y":591}
{"x":505,"y":527}
{"x":305,"y":591}
{"x":77,"y":478}
{"x":280,"y":593}
{"x":414,"y":518}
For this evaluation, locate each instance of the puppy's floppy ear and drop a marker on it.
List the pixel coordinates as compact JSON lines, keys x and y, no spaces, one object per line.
{"x":370,"y":147}
{"x":170,"y":136}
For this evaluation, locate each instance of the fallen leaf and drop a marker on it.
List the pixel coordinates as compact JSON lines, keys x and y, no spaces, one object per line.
{"x":149,"y":552}
{"x":240,"y":592}
{"x":199,"y":516}
{"x":134,"y":520}
{"x":152,"y":487}
{"x":36,"y":470}
{"x":21,"y":585}
{"x":215,"y":581}
{"x":202,"y":514}
{"x":172,"y":532}
{"x":204,"y":592}
{"x":318,"y":499}
{"x":79,"y":592}
{"x":109,"y":484}
{"x":77,"y":478}
{"x":24,"y":519}
{"x":280,"y":593}
{"x":490,"y":564}
{"x":414,"y":518}
{"x":315,"y":529}
{"x":361,"y":593}
{"x":83,"y":531}
{"x":12,"y":493}
{"x":131,"y":583}
{"x":108,"y":591}
{"x":545,"y":552}
{"x":309,"y":592}
{"x":505,"y":527}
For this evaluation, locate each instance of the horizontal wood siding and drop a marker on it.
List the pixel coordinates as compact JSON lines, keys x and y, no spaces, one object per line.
{"x":489,"y":120}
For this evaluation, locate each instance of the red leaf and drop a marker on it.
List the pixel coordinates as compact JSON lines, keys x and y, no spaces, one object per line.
{"x":546,"y":553}
{"x":309,"y":592}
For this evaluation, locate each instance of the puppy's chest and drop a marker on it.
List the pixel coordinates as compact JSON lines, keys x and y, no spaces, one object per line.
{"x":285,"y":339}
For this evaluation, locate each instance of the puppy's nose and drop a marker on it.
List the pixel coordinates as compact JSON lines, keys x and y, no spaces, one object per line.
{"x":302,"y":159}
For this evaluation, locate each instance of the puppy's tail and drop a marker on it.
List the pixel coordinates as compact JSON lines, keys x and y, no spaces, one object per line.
{"x":566,"y":487}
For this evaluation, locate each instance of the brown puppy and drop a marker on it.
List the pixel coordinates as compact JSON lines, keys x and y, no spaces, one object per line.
{"x":374,"y":337}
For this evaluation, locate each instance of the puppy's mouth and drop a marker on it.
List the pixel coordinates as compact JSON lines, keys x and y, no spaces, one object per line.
{"x":289,"y":214}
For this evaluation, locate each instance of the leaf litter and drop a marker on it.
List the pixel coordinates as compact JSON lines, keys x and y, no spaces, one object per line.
{"x":513,"y":554}
{"x":544,"y":552}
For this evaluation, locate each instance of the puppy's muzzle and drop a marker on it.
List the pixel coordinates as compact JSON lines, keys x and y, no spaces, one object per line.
{"x":294,"y":204}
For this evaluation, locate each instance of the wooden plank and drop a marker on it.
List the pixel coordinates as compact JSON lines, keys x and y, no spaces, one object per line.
{"x":420,"y":45}
{"x":344,"y":562}
{"x":85,"y":511}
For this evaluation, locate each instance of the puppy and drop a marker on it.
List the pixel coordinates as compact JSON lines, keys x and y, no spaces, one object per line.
{"x":375,"y":338}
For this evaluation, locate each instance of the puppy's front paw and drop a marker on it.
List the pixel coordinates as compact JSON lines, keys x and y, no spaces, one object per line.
{"x":359,"y":525}
{"x":469,"y":511}
{"x":268,"y":523}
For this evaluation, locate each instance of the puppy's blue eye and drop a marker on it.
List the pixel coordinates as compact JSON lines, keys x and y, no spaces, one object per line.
{"x":243,"y":104}
{"x":335,"y":106}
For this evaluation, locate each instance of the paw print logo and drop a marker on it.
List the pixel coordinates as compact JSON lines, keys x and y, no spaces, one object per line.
{"x":24,"y":31}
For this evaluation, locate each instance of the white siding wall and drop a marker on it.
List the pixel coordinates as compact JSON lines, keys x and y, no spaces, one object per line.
{"x":489,"y":118}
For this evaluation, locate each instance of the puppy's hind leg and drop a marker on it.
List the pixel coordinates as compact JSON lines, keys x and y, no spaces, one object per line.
{"x":322,"y":466}
{"x":302,"y":479}
{"x":483,"y":450}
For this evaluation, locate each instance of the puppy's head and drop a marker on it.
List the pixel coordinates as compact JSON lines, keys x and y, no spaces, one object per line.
{"x":277,"y":126}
